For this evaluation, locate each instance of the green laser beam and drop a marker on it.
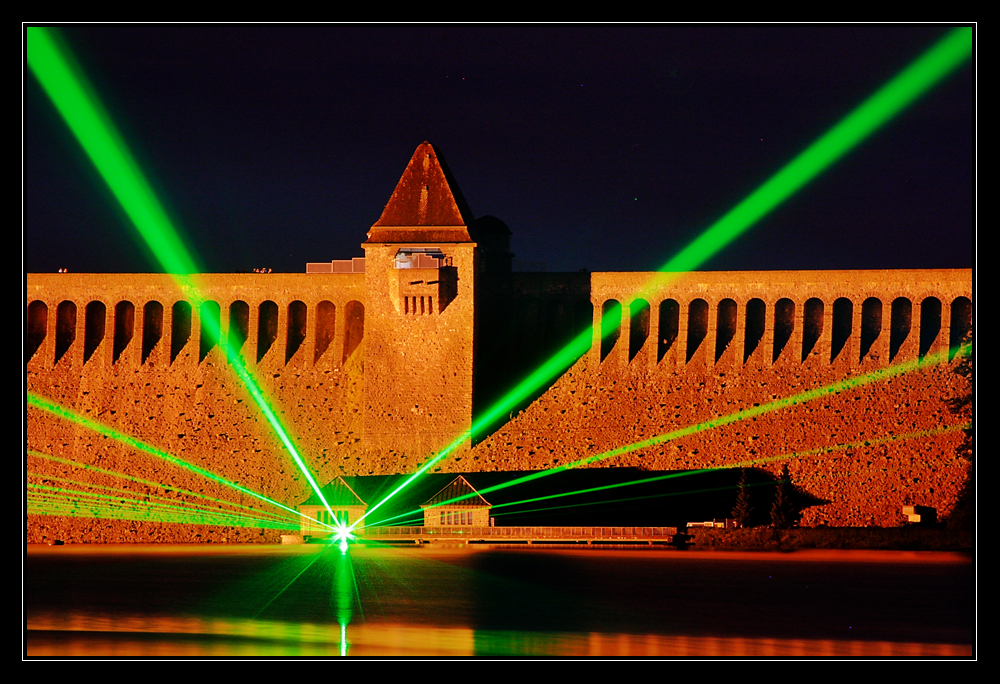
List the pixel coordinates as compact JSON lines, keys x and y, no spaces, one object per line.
{"x":345,"y":588}
{"x":687,"y":473}
{"x":154,"y":499}
{"x":668,"y":494}
{"x":142,"y":514}
{"x":771,"y":406}
{"x":149,"y":483}
{"x":66,"y":414}
{"x":926,"y":71}
{"x":131,"y":497}
{"x":866,"y":119}
{"x":80,"y":107}
{"x":920,"y":76}
{"x":93,"y":507}
{"x":49,"y":500}
{"x":78,"y":104}
{"x":687,"y":492}
{"x":291,"y":582}
{"x":745,"y":464}
{"x":809,"y":395}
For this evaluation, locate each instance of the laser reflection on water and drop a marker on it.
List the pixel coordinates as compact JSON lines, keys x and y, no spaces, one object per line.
{"x":457,"y":601}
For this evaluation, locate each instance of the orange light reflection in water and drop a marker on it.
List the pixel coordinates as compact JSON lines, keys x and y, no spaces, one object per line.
{"x":393,"y":627}
{"x":94,"y":635}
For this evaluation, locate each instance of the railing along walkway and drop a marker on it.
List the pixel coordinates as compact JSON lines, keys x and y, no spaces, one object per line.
{"x":529,"y":535}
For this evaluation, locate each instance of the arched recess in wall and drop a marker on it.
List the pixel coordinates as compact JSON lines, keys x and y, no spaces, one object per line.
{"x":326,"y":314}
{"x":871,"y":324}
{"x":180,"y":329}
{"x":812,"y":325}
{"x":784,"y":324}
{"x":900,"y":321}
{"x":961,"y":324}
{"x":930,"y":323}
{"x":725,"y":322}
{"x":65,"y":328}
{"x":210,"y":315}
{"x":38,"y":323}
{"x":697,"y":326}
{"x":669,"y":325}
{"x":354,"y":327}
{"x":124,"y":328}
{"x":94,"y":322}
{"x":296,"y":329}
{"x":756,"y":314}
{"x":638,"y":326}
{"x":611,"y":326}
{"x":152,"y":328}
{"x":843,"y":323}
{"x":267,"y":327}
{"x":239,"y":325}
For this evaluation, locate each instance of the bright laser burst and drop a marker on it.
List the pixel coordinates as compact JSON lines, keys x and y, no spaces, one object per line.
{"x":63,"y":412}
{"x":341,"y":535}
{"x":78,"y":104}
{"x":926,"y":71}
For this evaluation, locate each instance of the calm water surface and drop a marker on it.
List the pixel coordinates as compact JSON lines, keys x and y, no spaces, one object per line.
{"x":315,"y":600}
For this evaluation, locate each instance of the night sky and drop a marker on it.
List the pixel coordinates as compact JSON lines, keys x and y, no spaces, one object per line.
{"x":602,"y":147}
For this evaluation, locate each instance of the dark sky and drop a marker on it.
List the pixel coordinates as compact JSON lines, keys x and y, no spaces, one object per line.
{"x":606,"y":148}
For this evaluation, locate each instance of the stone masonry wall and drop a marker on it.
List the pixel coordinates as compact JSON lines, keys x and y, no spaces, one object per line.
{"x":419,"y":356}
{"x":678,"y":377}
{"x":191,"y":407}
{"x":733,"y":341}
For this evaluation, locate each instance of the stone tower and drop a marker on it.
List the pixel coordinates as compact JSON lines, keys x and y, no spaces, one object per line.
{"x":420,"y":276}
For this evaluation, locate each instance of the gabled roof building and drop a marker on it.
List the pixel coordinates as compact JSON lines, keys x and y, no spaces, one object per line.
{"x":346,"y":505}
{"x":458,"y":504}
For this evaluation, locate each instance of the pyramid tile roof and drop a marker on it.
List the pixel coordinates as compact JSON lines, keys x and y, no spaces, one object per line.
{"x":426,"y":205}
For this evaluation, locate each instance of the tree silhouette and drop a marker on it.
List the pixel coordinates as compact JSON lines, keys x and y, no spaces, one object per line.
{"x":742,"y":509}
{"x":785,"y":511}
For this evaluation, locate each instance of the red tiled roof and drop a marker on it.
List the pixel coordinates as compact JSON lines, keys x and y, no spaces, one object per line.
{"x":426,"y":205}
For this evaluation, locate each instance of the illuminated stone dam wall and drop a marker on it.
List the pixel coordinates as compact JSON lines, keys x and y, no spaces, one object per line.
{"x":127,"y":351}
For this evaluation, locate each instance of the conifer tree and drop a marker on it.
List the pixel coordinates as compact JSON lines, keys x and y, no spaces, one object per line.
{"x":785,"y":510}
{"x":742,"y":509}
